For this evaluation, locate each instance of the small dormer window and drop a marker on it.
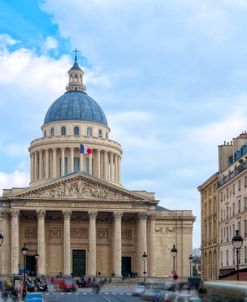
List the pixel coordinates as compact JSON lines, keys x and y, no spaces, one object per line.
{"x":52,"y":131}
{"x":76,"y":131}
{"x":63,"y":131}
{"x":100,"y":133}
{"x":89,"y":131}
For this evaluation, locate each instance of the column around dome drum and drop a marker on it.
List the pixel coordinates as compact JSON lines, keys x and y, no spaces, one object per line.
{"x":105,"y":165}
{"x":54,"y":163}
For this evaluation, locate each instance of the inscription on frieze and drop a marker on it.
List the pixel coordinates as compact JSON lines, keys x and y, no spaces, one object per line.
{"x":55,"y":233}
{"x":79,"y":233}
{"x":127,"y":234}
{"x":102,"y":234}
{"x":30,"y":233}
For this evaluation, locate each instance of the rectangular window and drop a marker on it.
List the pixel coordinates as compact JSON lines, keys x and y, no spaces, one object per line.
{"x":233,"y":209}
{"x":239,"y":185}
{"x":239,"y":206}
{"x":221,"y":196}
{"x":66,"y":165}
{"x":76,"y":164}
{"x":227,"y":192}
{"x":221,"y":258}
{"x":87,"y":165}
{"x":233,"y":229}
{"x":233,"y":189}
{"x":227,"y":257}
{"x":239,"y":226}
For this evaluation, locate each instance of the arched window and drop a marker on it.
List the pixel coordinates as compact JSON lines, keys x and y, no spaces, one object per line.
{"x":52,"y":131}
{"x":76,"y":131}
{"x":63,"y":131}
{"x":100,"y":133}
{"x":89,"y":131}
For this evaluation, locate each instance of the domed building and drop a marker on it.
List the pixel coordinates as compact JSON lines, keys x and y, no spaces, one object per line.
{"x":76,"y":217}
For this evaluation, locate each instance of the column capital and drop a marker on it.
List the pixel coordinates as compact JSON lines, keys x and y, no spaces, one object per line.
{"x":151,"y":216}
{"x":92,"y":214}
{"x":117,"y":215}
{"x":67,"y":214}
{"x":40,"y":214}
{"x":5,"y":214}
{"x":14,"y":212}
{"x":142,"y":215}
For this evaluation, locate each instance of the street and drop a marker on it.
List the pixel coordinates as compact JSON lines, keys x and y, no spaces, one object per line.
{"x":109,"y":294}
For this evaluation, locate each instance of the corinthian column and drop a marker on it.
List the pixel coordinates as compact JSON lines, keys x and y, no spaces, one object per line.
{"x":67,"y":243}
{"x":142,"y":240}
{"x":111,"y":167}
{"x":54,"y":163}
{"x":6,"y":243}
{"x":117,"y":244}
{"x":41,"y":241}
{"x":98,"y":163}
{"x":15,"y":248}
{"x":151,"y":250}
{"x":105,"y":165}
{"x":47,"y":163}
{"x":92,"y":243}
{"x":62,"y":161}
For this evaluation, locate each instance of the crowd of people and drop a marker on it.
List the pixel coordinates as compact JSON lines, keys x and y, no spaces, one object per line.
{"x":14,"y":287}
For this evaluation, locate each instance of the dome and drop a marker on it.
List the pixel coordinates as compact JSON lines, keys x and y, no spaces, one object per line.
{"x":75,"y":105}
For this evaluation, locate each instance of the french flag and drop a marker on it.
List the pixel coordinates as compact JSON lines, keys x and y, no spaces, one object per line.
{"x":85,"y":150}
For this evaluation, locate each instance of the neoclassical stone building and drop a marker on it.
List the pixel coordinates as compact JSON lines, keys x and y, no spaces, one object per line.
{"x":76,"y":214}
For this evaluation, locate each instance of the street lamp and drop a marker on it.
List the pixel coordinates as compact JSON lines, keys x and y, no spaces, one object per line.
{"x":144,"y":258}
{"x":1,"y":239}
{"x":24,"y":251}
{"x":237,"y":242}
{"x":174,"y":252}
{"x":190,"y":260}
{"x":36,"y":256}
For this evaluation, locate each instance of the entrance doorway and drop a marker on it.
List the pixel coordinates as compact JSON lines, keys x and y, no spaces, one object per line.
{"x":126,"y":266}
{"x":79,"y":263}
{"x":31,"y":264}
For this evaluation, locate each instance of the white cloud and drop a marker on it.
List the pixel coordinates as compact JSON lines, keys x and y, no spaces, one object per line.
{"x":7,"y":40}
{"x":49,"y":44}
{"x":14,"y":179}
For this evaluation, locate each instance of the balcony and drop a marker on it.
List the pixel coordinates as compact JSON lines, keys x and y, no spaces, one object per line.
{"x":231,"y":175}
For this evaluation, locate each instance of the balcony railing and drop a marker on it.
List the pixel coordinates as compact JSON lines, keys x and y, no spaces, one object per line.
{"x":231,"y":175}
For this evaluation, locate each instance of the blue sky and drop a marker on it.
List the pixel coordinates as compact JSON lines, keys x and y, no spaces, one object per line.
{"x":170,"y":76}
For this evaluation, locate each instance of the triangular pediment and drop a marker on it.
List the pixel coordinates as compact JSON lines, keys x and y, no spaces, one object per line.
{"x":80,"y":187}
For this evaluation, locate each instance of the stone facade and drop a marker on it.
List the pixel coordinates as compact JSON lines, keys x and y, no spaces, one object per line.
{"x":227,"y":190}
{"x":77,"y":216}
{"x":209,"y":228}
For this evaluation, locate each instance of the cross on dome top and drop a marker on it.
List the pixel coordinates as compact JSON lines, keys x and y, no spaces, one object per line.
{"x":75,"y":76}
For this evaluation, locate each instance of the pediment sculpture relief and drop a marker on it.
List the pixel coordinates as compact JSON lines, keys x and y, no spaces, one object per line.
{"x":78,"y":189}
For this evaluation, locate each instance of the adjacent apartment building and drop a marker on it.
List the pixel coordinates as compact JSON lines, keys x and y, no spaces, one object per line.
{"x":224,"y":210}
